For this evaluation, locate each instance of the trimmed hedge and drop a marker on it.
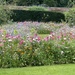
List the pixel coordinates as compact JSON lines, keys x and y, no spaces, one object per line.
{"x":40,"y":16}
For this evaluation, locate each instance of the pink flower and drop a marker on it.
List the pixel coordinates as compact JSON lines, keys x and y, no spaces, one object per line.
{"x":58,"y":37}
{"x":1,"y":30}
{"x":7,"y":35}
{"x":35,"y":35}
{"x":21,"y":42}
{"x":31,"y":40}
{"x":39,"y":39}
{"x":1,"y":44}
{"x":46,"y":39}
{"x":16,"y":37}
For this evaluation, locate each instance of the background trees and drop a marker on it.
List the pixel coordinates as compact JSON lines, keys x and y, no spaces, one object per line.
{"x":4,"y":13}
{"x":51,"y":3}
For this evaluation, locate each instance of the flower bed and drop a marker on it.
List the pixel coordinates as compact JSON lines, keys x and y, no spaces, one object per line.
{"x":18,"y":51}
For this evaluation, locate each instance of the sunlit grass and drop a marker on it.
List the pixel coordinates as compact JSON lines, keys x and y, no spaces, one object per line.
{"x":68,"y":69}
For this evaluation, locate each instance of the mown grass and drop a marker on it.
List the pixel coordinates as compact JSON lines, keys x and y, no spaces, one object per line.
{"x":68,"y":69}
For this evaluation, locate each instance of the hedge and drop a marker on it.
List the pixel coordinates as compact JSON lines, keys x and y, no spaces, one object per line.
{"x":40,"y":16}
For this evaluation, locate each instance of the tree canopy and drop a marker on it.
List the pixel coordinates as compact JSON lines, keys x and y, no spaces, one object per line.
{"x":51,"y":3}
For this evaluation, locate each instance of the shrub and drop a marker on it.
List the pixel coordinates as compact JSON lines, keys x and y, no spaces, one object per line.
{"x":4,"y":12}
{"x":44,"y":16}
{"x":70,"y":17}
{"x":37,"y":8}
{"x":4,"y":16}
{"x":44,"y":30}
{"x":50,"y":3}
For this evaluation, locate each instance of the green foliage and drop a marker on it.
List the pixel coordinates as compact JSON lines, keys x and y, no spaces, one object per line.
{"x":71,"y":3}
{"x":12,"y":2}
{"x":70,"y":17}
{"x":44,"y":16}
{"x":37,"y":8}
{"x":26,"y":2}
{"x":18,"y":52}
{"x":43,"y":30}
{"x":62,"y":3}
{"x":4,"y":13}
{"x":50,"y":3}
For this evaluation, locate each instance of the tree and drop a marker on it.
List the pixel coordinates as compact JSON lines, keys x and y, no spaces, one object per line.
{"x":50,"y":3}
{"x":28,"y":2}
{"x":62,"y":3}
{"x":4,"y":13}
{"x":71,"y":3}
{"x":12,"y":1}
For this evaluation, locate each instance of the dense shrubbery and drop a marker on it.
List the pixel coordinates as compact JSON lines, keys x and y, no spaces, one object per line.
{"x":60,"y":3}
{"x":4,"y":13}
{"x":45,"y":16}
{"x":43,"y":31}
{"x":50,"y":3}
{"x":70,"y":17}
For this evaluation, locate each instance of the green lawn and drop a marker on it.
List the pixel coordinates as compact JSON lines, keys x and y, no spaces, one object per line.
{"x":68,"y":69}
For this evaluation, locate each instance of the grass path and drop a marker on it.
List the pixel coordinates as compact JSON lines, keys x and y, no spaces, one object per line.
{"x":68,"y":69}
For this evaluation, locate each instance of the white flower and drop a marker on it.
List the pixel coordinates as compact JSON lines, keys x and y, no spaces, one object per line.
{"x":62,"y":52}
{"x":50,"y":35}
{"x":64,"y":38}
{"x":2,"y":35}
{"x":10,"y":40}
{"x":34,"y":39}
